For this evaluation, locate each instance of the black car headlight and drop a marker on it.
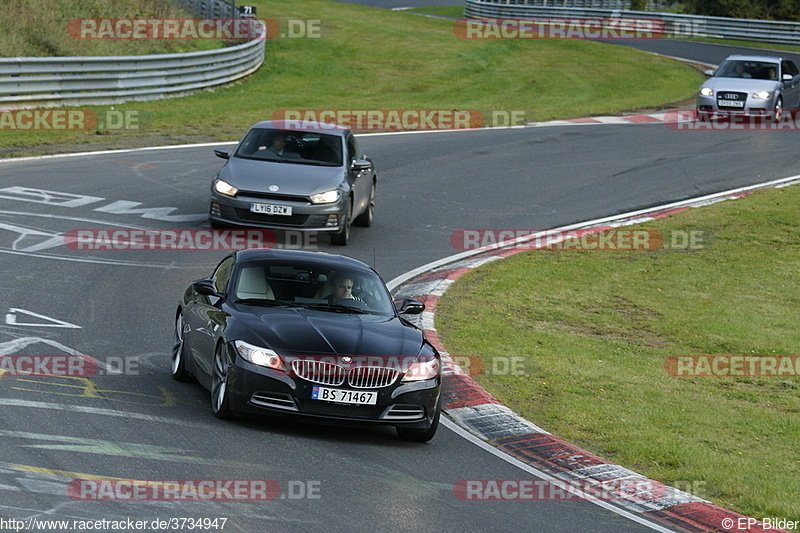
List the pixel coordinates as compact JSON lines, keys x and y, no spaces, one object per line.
{"x":425,"y":366}
{"x":259,"y":356}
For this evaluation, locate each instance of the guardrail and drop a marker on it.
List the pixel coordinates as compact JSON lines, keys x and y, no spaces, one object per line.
{"x":676,"y":25}
{"x":65,"y":81}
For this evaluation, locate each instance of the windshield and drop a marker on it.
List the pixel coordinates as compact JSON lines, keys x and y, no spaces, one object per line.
{"x":757,"y":70}
{"x":304,"y":147}
{"x":312,"y":285}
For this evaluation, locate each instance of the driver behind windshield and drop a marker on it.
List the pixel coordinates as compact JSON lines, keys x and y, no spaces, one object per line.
{"x":342,"y":289}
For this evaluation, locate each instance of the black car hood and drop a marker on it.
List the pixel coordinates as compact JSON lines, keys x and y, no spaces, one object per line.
{"x":300,"y":331}
{"x":290,"y":178}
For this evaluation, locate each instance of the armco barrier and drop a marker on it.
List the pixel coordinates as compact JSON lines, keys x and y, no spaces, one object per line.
{"x":677,"y":25}
{"x":64,"y":81}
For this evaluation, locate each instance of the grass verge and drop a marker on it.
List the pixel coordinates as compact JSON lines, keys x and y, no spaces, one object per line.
{"x":594,"y":331}
{"x":372,"y":58}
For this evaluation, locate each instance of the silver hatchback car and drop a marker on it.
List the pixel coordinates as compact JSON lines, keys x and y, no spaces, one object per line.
{"x":751,"y":86}
{"x":304,"y":176}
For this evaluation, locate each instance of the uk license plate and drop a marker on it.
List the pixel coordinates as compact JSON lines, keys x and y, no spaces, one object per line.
{"x":344,"y":396}
{"x":271,"y":209}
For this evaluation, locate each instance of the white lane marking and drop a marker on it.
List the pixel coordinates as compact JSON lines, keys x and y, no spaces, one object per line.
{"x":42,"y":239}
{"x":458,"y":430}
{"x":45,"y":321}
{"x":98,"y":261}
{"x":15,"y":345}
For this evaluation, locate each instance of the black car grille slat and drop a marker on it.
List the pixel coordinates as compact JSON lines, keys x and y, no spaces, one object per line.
{"x":319,"y":372}
{"x":371,"y":377}
{"x":358,"y":377}
{"x":273,"y":196}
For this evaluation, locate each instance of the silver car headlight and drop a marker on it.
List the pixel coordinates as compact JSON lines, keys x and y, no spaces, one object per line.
{"x":762,"y":95}
{"x":225,"y":188}
{"x":705,"y":91}
{"x":327,"y":197}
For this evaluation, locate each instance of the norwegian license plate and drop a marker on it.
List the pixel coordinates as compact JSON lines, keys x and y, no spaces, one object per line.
{"x":731,"y":103}
{"x":344,"y":396}
{"x":271,"y":209}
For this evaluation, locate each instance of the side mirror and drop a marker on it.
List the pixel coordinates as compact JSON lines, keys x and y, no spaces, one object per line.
{"x":361,"y":165}
{"x":410,"y":306}
{"x":222,"y":153}
{"x":787,"y":77}
{"x":709,"y":72}
{"x":205,"y":287}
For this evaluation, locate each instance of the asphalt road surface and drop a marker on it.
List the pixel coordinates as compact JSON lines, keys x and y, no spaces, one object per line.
{"x":132,"y":421}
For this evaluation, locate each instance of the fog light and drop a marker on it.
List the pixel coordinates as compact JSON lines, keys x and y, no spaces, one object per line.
{"x":215,"y":210}
{"x":332,"y":222}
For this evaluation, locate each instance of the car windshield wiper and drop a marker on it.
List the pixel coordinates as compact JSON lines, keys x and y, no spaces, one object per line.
{"x":338,"y":308}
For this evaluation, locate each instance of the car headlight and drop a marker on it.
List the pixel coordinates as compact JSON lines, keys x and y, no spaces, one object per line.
{"x":425,"y":367}
{"x":327,"y":197}
{"x":259,"y":356}
{"x":225,"y":188}
{"x":762,"y":95}
{"x":705,"y":91}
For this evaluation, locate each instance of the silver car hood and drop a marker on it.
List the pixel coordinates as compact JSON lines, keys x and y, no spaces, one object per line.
{"x":741,"y":84}
{"x":289,"y":178}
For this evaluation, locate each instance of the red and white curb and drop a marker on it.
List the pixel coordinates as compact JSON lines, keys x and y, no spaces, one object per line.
{"x":648,"y":118}
{"x":477,"y":411}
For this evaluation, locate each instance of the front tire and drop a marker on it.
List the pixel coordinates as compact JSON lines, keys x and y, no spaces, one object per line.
{"x":179,"y":371}
{"x":365,"y":219}
{"x":220,"y":394}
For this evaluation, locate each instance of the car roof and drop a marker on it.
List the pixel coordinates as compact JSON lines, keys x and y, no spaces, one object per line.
{"x":770,"y":59}
{"x":301,"y":125}
{"x":270,"y":254}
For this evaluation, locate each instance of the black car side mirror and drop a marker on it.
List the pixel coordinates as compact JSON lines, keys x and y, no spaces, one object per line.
{"x":410,"y":306}
{"x":205,"y":287}
{"x":222,"y":153}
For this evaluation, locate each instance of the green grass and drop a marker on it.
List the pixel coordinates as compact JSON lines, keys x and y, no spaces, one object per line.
{"x":594,"y":331}
{"x":39,"y":28}
{"x":373,"y":58}
{"x":442,"y":11}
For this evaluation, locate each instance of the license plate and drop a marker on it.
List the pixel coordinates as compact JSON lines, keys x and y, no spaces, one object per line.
{"x":344,"y":396}
{"x":731,"y":103}
{"x":271,"y":209}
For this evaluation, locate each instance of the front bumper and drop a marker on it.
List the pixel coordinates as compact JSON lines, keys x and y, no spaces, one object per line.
{"x":260,"y":390}
{"x":305,"y":215}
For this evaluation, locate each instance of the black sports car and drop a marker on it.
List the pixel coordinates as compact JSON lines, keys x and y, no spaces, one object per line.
{"x":311,"y":334}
